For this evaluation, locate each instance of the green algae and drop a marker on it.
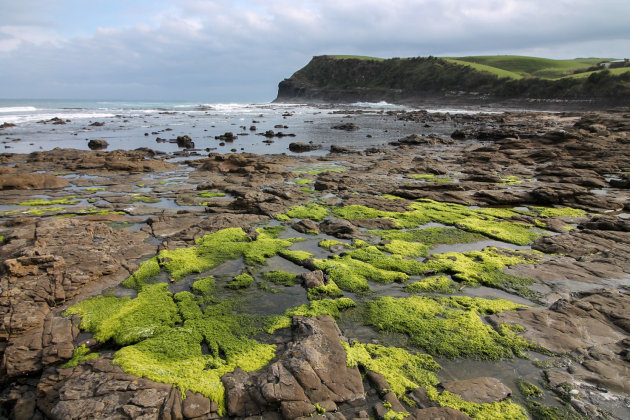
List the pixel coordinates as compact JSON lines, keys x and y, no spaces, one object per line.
{"x":479,"y":411}
{"x":473,"y":268}
{"x":219,"y":247}
{"x":353,"y":275}
{"x":425,"y":211}
{"x":332,"y":307}
{"x":206,"y":288}
{"x":319,"y":169}
{"x":309,"y":211}
{"x":302,"y":181}
{"x":188,"y":306}
{"x":330,"y":290}
{"x":94,"y":189}
{"x":147,"y":270}
{"x":280,"y":277}
{"x":295,"y":256}
{"x":429,"y":178}
{"x":404,"y":371}
{"x":406,"y":249}
{"x":242,"y":281}
{"x":270,"y":232}
{"x":439,"y":284}
{"x":39,"y":212}
{"x":144,"y":199}
{"x":558,"y":211}
{"x":210,"y":194}
{"x":128,"y":320}
{"x":79,"y":355}
{"x":329,"y":243}
{"x":562,"y":412}
{"x":67,"y":201}
{"x":430,"y":236}
{"x":529,"y":390}
{"x":447,"y":327}
{"x":391,"y":197}
{"x":511,"y":180}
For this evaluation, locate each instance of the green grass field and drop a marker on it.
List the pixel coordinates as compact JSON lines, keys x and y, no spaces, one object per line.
{"x":516,"y":66}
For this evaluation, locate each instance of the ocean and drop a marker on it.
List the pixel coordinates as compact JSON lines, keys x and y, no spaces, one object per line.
{"x":48,"y":124}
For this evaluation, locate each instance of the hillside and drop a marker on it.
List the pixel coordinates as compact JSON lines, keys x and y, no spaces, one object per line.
{"x":457,"y":80}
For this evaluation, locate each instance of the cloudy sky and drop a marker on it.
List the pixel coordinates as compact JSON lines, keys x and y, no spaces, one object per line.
{"x":238,"y":50}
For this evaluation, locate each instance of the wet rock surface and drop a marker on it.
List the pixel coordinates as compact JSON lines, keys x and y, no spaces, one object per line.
{"x":105,"y":212}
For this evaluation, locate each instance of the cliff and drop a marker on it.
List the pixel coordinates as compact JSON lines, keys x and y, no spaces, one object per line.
{"x":421,"y":80}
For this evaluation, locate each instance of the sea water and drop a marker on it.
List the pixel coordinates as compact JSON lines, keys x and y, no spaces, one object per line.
{"x":129,"y":125}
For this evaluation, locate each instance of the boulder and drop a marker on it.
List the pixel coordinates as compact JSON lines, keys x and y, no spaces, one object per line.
{"x":340,"y":228}
{"x":185,"y":142}
{"x":479,"y":390}
{"x":299,"y":147}
{"x":97,"y":144}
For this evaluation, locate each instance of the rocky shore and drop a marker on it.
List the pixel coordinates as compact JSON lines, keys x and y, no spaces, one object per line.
{"x":366,"y":283}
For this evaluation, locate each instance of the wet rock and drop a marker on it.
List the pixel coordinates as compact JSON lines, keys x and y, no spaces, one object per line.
{"x":299,"y":147}
{"x":312,"y":279}
{"x":438,"y":413}
{"x":97,"y":124}
{"x":349,"y":126}
{"x":185,"y":142}
{"x":227,"y":137}
{"x":479,"y":390}
{"x":416,"y":140}
{"x":340,"y":228}
{"x":97,"y":144}
{"x":341,"y":149}
{"x":31,"y":181}
{"x":306,"y":226}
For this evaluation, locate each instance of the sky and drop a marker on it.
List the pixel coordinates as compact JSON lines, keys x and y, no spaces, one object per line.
{"x":237,"y":51}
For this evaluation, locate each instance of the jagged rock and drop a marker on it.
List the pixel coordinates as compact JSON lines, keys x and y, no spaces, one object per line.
{"x":349,"y":126}
{"x":340,"y":228}
{"x":312,"y":369}
{"x":479,"y":390}
{"x":312,"y":279}
{"x":185,"y":142}
{"x":195,"y":405}
{"x":306,"y":226}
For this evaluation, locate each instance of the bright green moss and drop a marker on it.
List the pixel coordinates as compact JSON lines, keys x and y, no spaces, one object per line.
{"x":403,"y":370}
{"x":242,"y":281}
{"x":1,"y":238}
{"x":308,"y":211}
{"x":396,"y":263}
{"x":394,"y":415}
{"x":280,"y":277}
{"x":210,"y":194}
{"x":303,"y":181}
{"x":558,"y":211}
{"x":187,"y":305}
{"x":511,"y":180}
{"x":295,"y":256}
{"x":439,"y":284}
{"x":144,"y":199}
{"x":270,"y":232}
{"x":147,"y":270}
{"x":515,"y":233}
{"x":430,"y":236}
{"x":529,"y":390}
{"x":67,"y":201}
{"x":352,"y":275}
{"x":219,"y":247}
{"x":94,"y":189}
{"x":39,"y":212}
{"x":391,"y":197}
{"x":319,"y":169}
{"x":429,"y":178}
{"x":329,"y":243}
{"x":332,"y":307}
{"x":330,"y":290}
{"x":562,"y":412}
{"x":206,"y":288}
{"x":490,"y":411}
{"x":443,"y":328}
{"x":282,"y":217}
{"x":79,"y":355}
{"x":127,"y":320}
{"x":406,"y":249}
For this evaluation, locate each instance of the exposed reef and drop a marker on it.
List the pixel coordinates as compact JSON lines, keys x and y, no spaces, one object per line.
{"x":483,"y":276}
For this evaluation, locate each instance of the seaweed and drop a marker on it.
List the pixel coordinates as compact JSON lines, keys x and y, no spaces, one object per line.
{"x":79,"y":355}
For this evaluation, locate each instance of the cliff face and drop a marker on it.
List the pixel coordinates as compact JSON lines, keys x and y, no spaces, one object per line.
{"x":429,"y":79}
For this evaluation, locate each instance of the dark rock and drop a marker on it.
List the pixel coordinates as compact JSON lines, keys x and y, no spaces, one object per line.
{"x":340,"y":228}
{"x":479,"y":390}
{"x":227,"y":137}
{"x":312,"y":279}
{"x":306,"y":226}
{"x":97,"y":124}
{"x":185,"y":142}
{"x":458,"y":135}
{"x":97,"y":144}
{"x":341,"y":149}
{"x":299,"y":147}
{"x":346,"y":126}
